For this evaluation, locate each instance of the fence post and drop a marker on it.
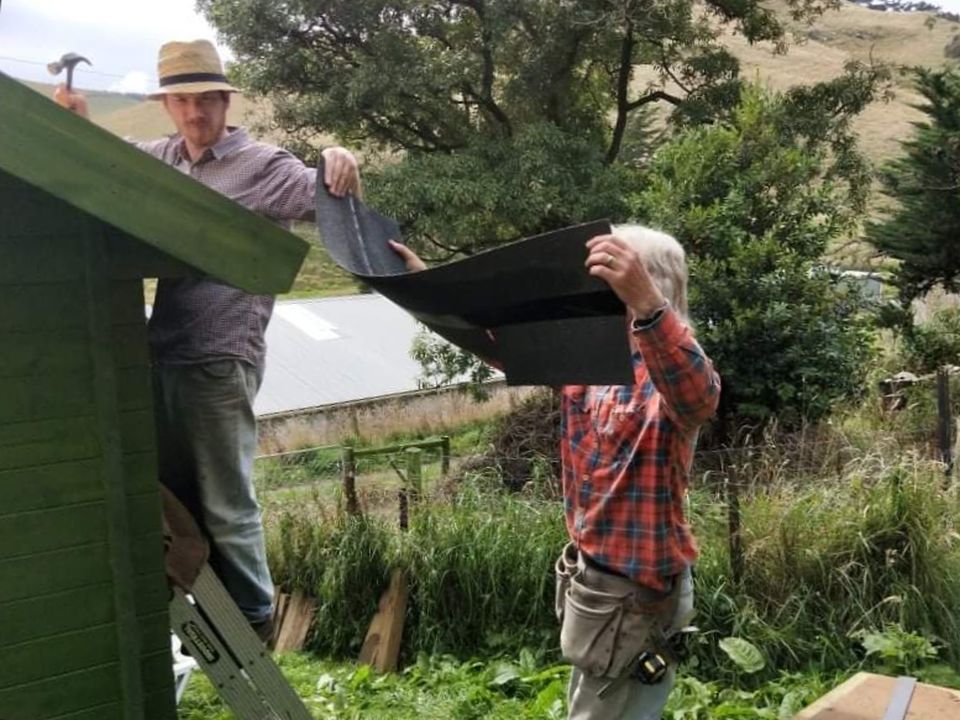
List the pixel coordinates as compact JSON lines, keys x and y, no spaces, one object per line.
{"x":735,"y":527}
{"x":414,"y":472}
{"x":444,"y":456}
{"x":944,"y":420}
{"x":348,"y":471}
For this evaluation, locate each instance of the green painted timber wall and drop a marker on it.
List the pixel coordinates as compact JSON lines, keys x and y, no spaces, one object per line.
{"x":84,"y":632}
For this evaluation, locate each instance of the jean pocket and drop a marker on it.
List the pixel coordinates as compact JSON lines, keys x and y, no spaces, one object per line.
{"x":219,"y":369}
{"x":588,"y":633}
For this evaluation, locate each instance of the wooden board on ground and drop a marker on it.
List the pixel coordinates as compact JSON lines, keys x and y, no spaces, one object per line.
{"x":866,"y":696}
{"x":381,"y":648}
{"x":292,"y":619}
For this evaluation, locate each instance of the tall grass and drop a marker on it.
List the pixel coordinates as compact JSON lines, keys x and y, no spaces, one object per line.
{"x":482,"y":570}
{"x":342,"y":561}
{"x":828,"y":559}
{"x":874,"y":544}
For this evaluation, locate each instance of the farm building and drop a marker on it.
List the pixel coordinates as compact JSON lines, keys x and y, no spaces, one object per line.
{"x":330,"y":351}
{"x":84,"y":631}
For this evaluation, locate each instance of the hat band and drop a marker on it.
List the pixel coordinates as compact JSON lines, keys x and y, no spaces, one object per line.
{"x":192,"y":78}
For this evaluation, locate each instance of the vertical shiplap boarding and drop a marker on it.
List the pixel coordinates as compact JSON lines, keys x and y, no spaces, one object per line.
{"x":107,"y":419}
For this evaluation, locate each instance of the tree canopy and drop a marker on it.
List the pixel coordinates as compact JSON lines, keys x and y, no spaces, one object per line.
{"x":511,"y":117}
{"x":755,"y":200}
{"x":922,"y":227}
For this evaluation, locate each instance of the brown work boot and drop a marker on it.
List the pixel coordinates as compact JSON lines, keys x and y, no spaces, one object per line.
{"x":264,"y":631}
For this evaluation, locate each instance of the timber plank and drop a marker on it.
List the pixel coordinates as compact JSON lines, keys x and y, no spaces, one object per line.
{"x":45,"y":442}
{"x":73,"y":159}
{"x":110,"y":711}
{"x":55,"y":571}
{"x":56,"y":696}
{"x":145,"y":514}
{"x":155,"y":633}
{"x":140,"y":471}
{"x":130,"y":258}
{"x":45,"y":530}
{"x":46,"y":573}
{"x":125,"y":299}
{"x":34,"y":249}
{"x":147,"y":554}
{"x":40,"y":398}
{"x":58,"y":655}
{"x":102,"y":301}
{"x":137,"y":431}
{"x":66,"y":396}
{"x":38,"y":488}
{"x":33,"y":353}
{"x":130,"y":343}
{"x":866,"y":696}
{"x":35,"y":618}
{"x":161,"y":704}
{"x":71,"y":483}
{"x":33,"y":307}
{"x":152,"y":593}
{"x":134,"y":389}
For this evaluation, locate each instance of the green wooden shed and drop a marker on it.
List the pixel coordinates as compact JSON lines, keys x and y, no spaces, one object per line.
{"x":84,"y":217}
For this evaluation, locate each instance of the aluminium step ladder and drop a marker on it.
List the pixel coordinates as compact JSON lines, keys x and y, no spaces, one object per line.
{"x":219,"y":638}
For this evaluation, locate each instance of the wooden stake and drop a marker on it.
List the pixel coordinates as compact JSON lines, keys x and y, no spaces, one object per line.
{"x":381,"y":648}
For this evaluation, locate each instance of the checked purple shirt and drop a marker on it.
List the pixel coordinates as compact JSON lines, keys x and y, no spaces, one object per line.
{"x":626,"y":453}
{"x":198,"y":319}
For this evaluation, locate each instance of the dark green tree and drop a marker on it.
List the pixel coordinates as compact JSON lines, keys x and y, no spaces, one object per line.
{"x":756,"y":199}
{"x":922,"y":228}
{"x":507,"y":117}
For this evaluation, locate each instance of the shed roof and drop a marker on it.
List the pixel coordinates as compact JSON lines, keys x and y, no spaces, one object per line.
{"x":72,"y":159}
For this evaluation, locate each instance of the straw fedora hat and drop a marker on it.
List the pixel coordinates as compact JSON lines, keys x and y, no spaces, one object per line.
{"x":190,"y":67}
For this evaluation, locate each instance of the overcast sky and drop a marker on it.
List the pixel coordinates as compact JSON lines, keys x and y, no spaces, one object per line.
{"x":120,"y":37}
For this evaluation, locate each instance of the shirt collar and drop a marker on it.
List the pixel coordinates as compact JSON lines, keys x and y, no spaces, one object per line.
{"x":235,"y":139}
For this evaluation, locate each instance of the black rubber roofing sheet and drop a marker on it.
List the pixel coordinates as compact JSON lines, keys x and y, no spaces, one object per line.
{"x":529,"y":307}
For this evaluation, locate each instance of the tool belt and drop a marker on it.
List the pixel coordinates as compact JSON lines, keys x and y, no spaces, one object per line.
{"x":608,"y":622}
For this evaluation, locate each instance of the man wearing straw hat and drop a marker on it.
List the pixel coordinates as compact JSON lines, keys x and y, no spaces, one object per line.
{"x":207,"y":338}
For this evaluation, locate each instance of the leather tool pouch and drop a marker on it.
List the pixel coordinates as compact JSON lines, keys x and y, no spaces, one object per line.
{"x":603,"y":633}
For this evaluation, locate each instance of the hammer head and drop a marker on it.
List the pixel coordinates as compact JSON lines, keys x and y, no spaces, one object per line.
{"x":67,"y":62}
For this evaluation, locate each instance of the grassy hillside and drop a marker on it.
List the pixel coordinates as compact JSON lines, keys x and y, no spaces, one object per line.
{"x":102,"y":104}
{"x":147,"y":120}
{"x":855,"y":33}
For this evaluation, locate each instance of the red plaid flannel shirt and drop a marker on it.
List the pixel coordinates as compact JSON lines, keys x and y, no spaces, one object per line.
{"x":627,"y":450}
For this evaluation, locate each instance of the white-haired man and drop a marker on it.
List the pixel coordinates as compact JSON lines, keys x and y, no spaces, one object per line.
{"x":207,"y":338}
{"x":624,"y":581}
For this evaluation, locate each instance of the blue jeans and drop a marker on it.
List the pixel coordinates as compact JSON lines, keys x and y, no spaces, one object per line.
{"x":206,"y":441}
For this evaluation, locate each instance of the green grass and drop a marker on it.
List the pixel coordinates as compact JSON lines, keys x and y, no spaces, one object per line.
{"x":525,"y":687}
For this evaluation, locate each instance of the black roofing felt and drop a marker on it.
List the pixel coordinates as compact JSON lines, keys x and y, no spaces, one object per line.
{"x":549,"y":321}
{"x":72,"y":159}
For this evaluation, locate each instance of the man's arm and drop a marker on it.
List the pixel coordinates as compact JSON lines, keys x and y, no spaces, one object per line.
{"x":287,"y":186}
{"x":678,"y":367}
{"x":688,"y":384}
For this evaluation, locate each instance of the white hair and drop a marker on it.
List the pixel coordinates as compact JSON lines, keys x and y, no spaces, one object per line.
{"x":664,"y":259}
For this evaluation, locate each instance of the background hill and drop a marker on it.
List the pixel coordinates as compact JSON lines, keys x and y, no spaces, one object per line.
{"x":102,"y":104}
{"x":819,"y":53}
{"x":136,"y":117}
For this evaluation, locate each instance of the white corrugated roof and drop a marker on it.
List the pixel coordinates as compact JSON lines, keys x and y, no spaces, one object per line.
{"x":334,"y":350}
